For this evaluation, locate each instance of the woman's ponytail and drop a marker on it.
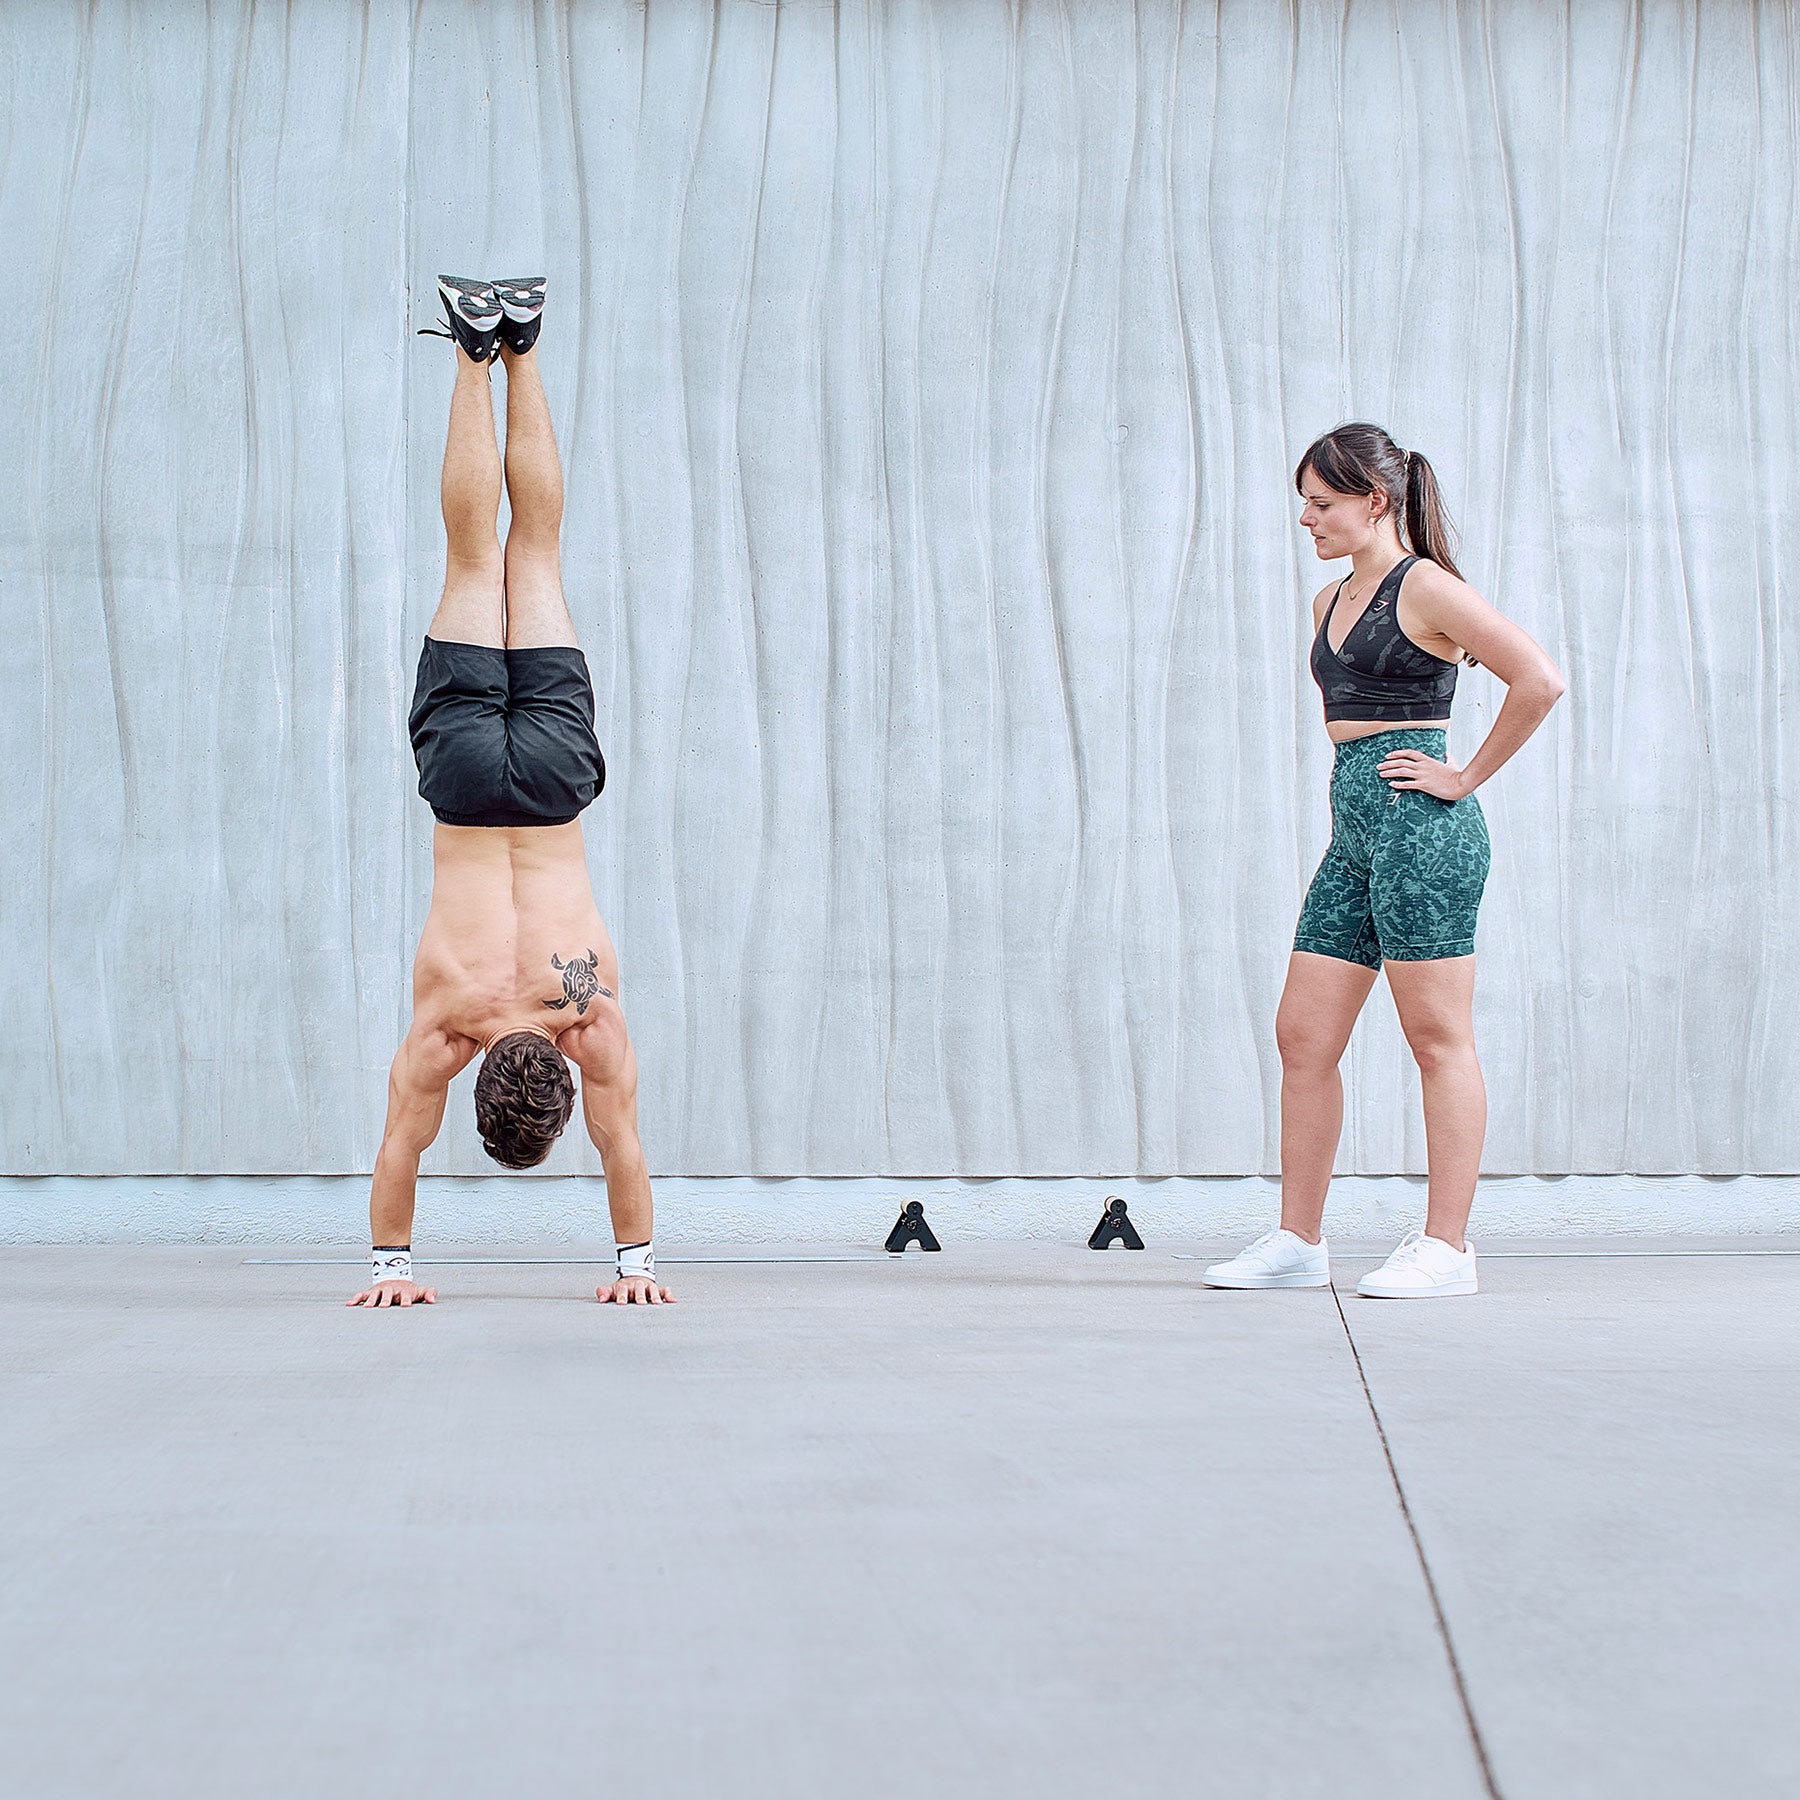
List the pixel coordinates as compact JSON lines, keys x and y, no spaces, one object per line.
{"x":1428,"y":531}
{"x":1361,"y":458}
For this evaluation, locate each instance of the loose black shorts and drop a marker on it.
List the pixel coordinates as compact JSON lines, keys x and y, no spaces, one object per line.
{"x":505,"y":737}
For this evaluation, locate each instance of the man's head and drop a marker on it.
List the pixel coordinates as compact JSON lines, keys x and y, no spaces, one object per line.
{"x":523,"y":1098}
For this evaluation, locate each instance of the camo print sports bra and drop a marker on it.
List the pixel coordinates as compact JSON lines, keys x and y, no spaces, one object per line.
{"x":1378,"y":672}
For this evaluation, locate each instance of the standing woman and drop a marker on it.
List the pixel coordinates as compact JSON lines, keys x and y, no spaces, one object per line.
{"x":1403,"y":876}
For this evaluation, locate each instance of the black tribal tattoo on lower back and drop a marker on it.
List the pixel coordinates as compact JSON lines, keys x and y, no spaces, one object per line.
{"x":580,"y":983}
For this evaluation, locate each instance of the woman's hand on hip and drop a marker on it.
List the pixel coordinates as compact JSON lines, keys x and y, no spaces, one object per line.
{"x":1414,"y":769}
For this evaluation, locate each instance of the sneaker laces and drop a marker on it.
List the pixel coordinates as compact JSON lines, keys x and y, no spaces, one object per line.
{"x":1408,"y":1250}
{"x":445,"y":332}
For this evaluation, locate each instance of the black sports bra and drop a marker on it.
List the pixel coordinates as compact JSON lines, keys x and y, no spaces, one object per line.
{"x":1379,"y":672}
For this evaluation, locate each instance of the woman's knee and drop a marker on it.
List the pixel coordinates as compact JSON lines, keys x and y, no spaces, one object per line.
{"x":1436,"y":1002}
{"x":1438,"y":1044}
{"x":1304,"y":1047}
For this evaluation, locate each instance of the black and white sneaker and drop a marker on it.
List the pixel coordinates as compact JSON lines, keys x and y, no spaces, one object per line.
{"x":522,"y":301}
{"x":473,"y":309}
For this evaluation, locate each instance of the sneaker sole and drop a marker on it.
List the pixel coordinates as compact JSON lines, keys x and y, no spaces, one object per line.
{"x":1308,"y":1280}
{"x":1444,"y":1291}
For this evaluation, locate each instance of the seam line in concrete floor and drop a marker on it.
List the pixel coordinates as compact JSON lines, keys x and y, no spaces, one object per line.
{"x":547,"y":1262}
{"x":535,"y":1262}
{"x":1576,"y":1255}
{"x":1437,"y":1606}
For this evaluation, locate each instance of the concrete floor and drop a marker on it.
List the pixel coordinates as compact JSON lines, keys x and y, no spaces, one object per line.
{"x":1016,"y":1520}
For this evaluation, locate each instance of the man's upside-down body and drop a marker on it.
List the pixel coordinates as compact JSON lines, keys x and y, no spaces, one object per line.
{"x":514,"y":963}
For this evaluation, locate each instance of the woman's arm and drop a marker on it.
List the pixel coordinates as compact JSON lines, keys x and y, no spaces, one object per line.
{"x":1440,"y":606}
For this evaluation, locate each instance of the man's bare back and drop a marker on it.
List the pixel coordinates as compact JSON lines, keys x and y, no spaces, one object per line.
{"x":511,"y":930}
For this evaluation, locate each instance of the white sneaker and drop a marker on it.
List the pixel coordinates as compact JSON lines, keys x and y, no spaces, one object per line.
{"x":1278,"y":1259}
{"x":1421,"y":1268}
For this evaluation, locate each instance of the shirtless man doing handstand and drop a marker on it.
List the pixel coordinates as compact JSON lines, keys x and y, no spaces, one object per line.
{"x":514,"y":964}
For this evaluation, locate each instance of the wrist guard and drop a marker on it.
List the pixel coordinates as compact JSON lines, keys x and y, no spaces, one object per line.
{"x":390,"y":1265}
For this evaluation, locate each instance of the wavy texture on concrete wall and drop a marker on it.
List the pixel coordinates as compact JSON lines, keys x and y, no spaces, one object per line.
{"x":929,"y":377}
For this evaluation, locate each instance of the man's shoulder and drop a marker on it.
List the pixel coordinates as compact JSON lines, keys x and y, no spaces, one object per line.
{"x":433,"y":1053}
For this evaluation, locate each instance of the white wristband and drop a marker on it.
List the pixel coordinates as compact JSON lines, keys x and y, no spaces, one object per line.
{"x":637,"y":1261}
{"x":389,"y":1265}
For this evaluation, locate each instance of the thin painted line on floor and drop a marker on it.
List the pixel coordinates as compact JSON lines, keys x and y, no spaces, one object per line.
{"x":542,"y":1262}
{"x":1437,"y":1605}
{"x":1523,"y":1255}
{"x":1376,"y":1256}
{"x":537,"y":1262}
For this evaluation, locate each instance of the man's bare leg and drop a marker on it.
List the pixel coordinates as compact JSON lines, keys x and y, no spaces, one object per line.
{"x":536,"y":613}
{"x":537,"y":616}
{"x":473,"y":609}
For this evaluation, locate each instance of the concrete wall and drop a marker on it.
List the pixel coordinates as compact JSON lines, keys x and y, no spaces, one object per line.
{"x":929,"y":379}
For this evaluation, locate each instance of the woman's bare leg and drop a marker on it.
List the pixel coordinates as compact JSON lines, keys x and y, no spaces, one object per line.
{"x":1318,"y":1010}
{"x":1436,"y":1003}
{"x":473,"y":608}
{"x":536,"y":613}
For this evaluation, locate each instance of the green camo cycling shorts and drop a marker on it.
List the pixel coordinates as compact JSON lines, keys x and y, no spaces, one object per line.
{"x":1404,"y":873}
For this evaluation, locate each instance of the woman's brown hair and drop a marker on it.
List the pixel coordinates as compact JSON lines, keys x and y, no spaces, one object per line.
{"x":1360,"y":458}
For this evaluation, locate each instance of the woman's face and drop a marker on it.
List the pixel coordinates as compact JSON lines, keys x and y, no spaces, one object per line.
{"x":1340,"y":523}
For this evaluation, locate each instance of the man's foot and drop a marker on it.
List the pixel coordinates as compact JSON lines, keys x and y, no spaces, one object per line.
{"x":473,"y":309}
{"x":522,"y":301}
{"x":1421,"y":1268}
{"x":1278,"y":1259}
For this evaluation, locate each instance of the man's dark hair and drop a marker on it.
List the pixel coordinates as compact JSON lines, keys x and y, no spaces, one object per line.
{"x":523,"y":1098}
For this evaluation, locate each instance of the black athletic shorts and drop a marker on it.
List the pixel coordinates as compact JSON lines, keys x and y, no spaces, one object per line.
{"x":505,"y":737}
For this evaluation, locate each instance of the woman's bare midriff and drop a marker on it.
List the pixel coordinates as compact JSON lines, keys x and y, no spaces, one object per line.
{"x":508,"y":906}
{"x":1341,"y":731}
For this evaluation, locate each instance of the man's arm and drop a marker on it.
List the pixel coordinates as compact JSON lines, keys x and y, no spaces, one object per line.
{"x":428,"y":1060}
{"x":601,"y":1050}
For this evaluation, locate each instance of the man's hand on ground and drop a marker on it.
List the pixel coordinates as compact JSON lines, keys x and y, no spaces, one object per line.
{"x":395,"y":1293}
{"x":634,"y":1290}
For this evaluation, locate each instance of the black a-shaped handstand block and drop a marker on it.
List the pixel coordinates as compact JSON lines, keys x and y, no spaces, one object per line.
{"x":1115,"y":1227}
{"x":910,"y":1228}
